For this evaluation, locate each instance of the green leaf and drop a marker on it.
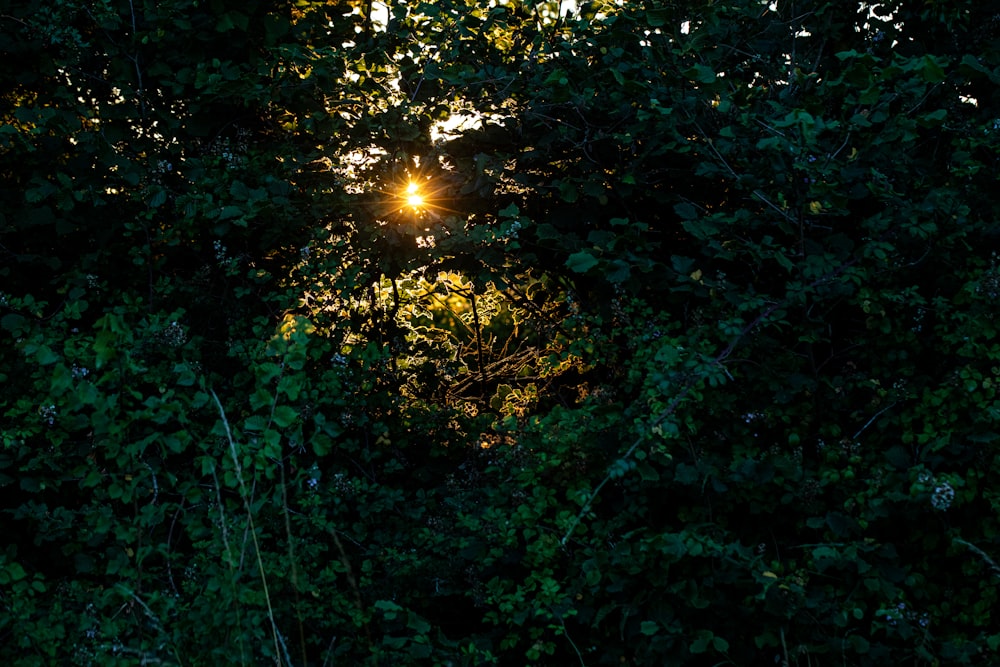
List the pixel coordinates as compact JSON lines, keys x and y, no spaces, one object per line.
{"x":658,"y":17}
{"x":291,"y":386}
{"x":321,"y":444}
{"x":700,"y":645}
{"x":933,"y":118}
{"x":619,"y":271}
{"x":686,"y":474}
{"x":899,"y":457}
{"x":647,"y":472}
{"x":14,"y":571}
{"x":932,"y":69}
{"x":840,"y":524}
{"x":417,"y":624}
{"x":511,"y":211}
{"x":45,"y":356}
{"x":581,"y":262}
{"x":686,"y":211}
{"x":13,"y":323}
{"x":94,"y":477}
{"x":255,"y":423}
{"x":284,"y":416}
{"x":701,"y":74}
{"x":239,"y":191}
{"x":649,"y":628}
{"x":568,"y":192}
{"x":228,"y":212}
{"x":859,"y":644}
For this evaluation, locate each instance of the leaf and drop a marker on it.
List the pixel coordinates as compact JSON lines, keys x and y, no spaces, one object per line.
{"x":13,"y":322}
{"x":685,"y":211}
{"x":619,"y":469}
{"x":859,"y":644}
{"x":686,"y":474}
{"x":568,"y":192}
{"x":933,"y":118}
{"x":291,"y":386}
{"x":255,"y":423}
{"x":158,"y":199}
{"x":899,"y":457}
{"x":592,"y":572}
{"x":649,"y":628}
{"x":511,"y":211}
{"x":657,"y":17}
{"x":619,"y":271}
{"x":227,"y":212}
{"x":239,"y":191}
{"x":15,"y":572}
{"x":321,"y":444}
{"x":284,"y":416}
{"x":417,"y":624}
{"x":840,"y":524}
{"x":390,"y":608}
{"x":701,"y":74}
{"x":932,"y":70}
{"x":700,"y":645}
{"x":581,"y":262}
{"x":45,"y":356}
{"x":547,"y":232}
{"x":647,"y":472}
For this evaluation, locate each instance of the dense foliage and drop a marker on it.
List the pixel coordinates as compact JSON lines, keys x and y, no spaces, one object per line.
{"x":687,"y":356}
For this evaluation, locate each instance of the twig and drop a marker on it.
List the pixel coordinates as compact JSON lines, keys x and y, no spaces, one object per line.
{"x":570,"y":640}
{"x":135,"y":61}
{"x":874,"y":417}
{"x":835,"y":153}
{"x":732,"y":172}
{"x":229,"y":557}
{"x":760,"y":195}
{"x":479,"y":341}
{"x":982,"y":554}
{"x":278,"y":641}
{"x":292,"y":562}
{"x":770,"y":129}
{"x":921,"y":100}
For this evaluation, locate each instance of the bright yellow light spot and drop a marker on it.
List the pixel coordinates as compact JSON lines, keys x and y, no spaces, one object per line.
{"x":413,"y":196}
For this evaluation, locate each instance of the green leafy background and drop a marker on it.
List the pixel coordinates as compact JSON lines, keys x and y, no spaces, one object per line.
{"x":688,"y":358}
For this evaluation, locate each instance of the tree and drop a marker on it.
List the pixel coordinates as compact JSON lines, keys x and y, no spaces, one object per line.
{"x":683,"y":356}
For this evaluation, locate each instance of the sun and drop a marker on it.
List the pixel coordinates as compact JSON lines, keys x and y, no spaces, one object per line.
{"x":413,"y":196}
{"x":418,"y":197}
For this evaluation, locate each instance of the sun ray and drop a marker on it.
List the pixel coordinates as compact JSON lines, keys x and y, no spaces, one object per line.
{"x":413,"y":195}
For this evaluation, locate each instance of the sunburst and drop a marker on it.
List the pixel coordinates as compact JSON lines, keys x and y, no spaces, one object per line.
{"x":421,"y":196}
{"x":414,"y":197}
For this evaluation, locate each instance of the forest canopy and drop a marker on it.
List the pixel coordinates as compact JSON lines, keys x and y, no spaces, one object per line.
{"x":340,"y":332}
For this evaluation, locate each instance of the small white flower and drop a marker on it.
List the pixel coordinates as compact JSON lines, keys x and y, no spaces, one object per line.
{"x":48,"y":413}
{"x":173,"y":335}
{"x":943,"y":496}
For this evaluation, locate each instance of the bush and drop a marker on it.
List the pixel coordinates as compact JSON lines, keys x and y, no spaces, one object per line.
{"x":684,"y":355}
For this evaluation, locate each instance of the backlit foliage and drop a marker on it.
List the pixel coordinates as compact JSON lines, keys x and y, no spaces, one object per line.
{"x":466,"y":332}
